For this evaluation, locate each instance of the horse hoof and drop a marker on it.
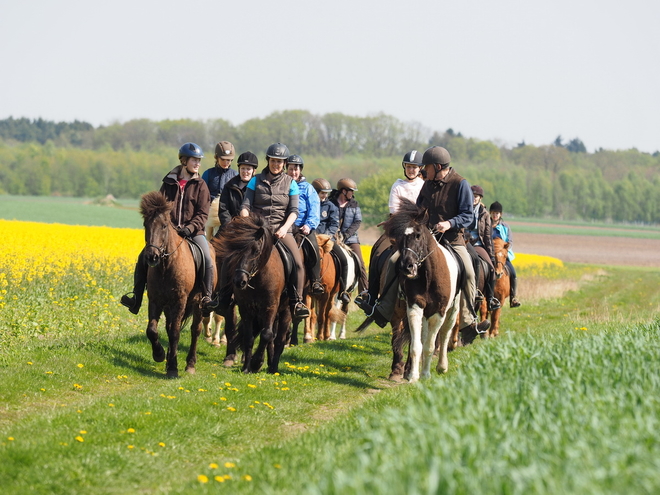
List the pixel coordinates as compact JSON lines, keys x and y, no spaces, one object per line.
{"x":190,"y":370}
{"x":228,"y":363}
{"x":209,"y":340}
{"x":158,"y":354}
{"x":308,"y":340}
{"x":216,"y":343}
{"x":223,"y":340}
{"x":396,"y":378}
{"x":173,"y":374}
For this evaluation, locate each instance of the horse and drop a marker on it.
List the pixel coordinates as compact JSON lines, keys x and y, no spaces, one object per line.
{"x":502,"y":283}
{"x":247,"y":247}
{"x":213,"y":323}
{"x":428,"y":277}
{"x":351,"y":282}
{"x":171,"y":283}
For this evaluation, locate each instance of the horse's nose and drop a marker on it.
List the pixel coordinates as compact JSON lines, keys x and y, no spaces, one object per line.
{"x":152,"y":259}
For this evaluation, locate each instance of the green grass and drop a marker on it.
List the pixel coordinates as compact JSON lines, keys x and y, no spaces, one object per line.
{"x":70,"y":211}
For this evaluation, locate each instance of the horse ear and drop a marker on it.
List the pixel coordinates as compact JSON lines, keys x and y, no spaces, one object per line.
{"x":506,"y":246}
{"x":423,"y":216}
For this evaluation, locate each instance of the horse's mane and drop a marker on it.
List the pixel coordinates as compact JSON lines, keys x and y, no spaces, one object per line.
{"x":408,"y":213}
{"x":240,"y":236}
{"x":153,"y":204}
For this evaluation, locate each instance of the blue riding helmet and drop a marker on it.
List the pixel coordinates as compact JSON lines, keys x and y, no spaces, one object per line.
{"x":190,"y":150}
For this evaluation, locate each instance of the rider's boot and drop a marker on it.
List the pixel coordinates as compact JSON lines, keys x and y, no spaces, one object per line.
{"x":493,"y":302}
{"x":134,"y":302}
{"x":513,"y":300}
{"x":298,"y":308}
{"x":317,"y":288}
{"x":208,"y":303}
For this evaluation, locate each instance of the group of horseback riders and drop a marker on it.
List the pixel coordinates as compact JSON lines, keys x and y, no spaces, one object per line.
{"x":292,"y":206}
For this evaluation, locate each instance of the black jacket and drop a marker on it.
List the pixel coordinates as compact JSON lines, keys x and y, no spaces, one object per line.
{"x":231,"y":199}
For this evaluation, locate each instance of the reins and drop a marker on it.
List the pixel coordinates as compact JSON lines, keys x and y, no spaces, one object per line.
{"x":161,"y":249}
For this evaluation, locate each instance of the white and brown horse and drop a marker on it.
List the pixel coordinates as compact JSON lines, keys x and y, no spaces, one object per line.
{"x":428,"y":277}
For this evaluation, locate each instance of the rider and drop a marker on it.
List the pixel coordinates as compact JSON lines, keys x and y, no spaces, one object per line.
{"x":309,"y":212}
{"x":480,"y":241}
{"x":217,"y":177}
{"x":328,"y":225}
{"x":407,"y":188}
{"x":185,"y":188}
{"x":350,"y":218}
{"x":233,"y":193}
{"x":502,"y":231}
{"x":275,"y":195}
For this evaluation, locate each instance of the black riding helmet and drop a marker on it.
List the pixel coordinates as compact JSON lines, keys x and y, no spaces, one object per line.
{"x":277,"y":150}
{"x":248,"y":158}
{"x":413,"y":157}
{"x":436,"y":155}
{"x":295,"y":160}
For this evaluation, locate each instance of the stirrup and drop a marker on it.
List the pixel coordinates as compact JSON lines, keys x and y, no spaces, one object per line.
{"x":317,"y":288}
{"x":345,"y":297}
{"x":209,"y":304}
{"x":300,"y":310}
{"x":494,"y":304}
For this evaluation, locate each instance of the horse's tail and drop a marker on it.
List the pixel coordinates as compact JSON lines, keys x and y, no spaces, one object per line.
{"x":336,"y":315}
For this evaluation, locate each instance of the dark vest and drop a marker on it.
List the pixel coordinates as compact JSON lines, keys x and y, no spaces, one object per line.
{"x":441,"y":199}
{"x":271,"y":198}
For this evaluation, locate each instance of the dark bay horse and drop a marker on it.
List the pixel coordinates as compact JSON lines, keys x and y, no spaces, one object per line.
{"x":257,"y":275}
{"x":428,"y":277}
{"x":171,"y":283}
{"x":502,"y":284}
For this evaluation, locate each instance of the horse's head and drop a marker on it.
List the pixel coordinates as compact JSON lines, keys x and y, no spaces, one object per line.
{"x":501,"y":249}
{"x":155,"y":210}
{"x":411,"y":236}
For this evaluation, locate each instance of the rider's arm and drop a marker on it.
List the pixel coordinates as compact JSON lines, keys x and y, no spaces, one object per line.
{"x":357,"y":221}
{"x":223,"y":211}
{"x":201,"y":214}
{"x":246,"y":207}
{"x":314,"y":208}
{"x":465,"y":214}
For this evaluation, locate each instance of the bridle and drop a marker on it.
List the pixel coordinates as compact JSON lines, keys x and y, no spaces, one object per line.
{"x":251,"y":275}
{"x":161,"y":249}
{"x":420,"y":259}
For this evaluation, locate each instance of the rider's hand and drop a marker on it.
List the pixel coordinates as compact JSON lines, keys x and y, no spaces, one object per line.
{"x":442,"y":226}
{"x":305,"y":229}
{"x":280,"y":233}
{"x":185,"y":232}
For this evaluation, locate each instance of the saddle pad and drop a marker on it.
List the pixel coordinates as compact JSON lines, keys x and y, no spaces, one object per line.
{"x":199,"y":260}
{"x":287,"y":258}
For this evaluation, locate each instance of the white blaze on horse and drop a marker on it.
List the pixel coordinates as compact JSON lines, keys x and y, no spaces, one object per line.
{"x":428,"y":277}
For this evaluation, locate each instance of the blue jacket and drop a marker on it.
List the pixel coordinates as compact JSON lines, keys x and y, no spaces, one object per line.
{"x":350,"y":218}
{"x":329,"y":223}
{"x":216,"y":178}
{"x":309,"y":210}
{"x":502,"y":231}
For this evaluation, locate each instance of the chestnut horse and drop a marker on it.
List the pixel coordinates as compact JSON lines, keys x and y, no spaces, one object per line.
{"x":247,"y":248}
{"x":502,"y":285}
{"x":428,"y":277}
{"x":171,"y":283}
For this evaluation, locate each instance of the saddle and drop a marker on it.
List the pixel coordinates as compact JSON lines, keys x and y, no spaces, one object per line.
{"x":287,"y":260}
{"x":311,"y":254}
{"x":200,"y":267}
{"x":462,"y":276}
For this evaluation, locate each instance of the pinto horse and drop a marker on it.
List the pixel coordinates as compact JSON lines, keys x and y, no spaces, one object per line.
{"x":428,"y":277}
{"x":171,"y":283}
{"x":502,"y":284}
{"x":247,"y":248}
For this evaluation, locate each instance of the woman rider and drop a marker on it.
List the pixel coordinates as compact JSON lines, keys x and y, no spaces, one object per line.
{"x":328,"y":225}
{"x":480,"y":240}
{"x":275,"y":195}
{"x":502,"y":231}
{"x":233,"y":193}
{"x":185,"y":188}
{"x":309,"y":211}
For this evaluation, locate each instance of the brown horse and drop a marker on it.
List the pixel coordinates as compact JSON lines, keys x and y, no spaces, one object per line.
{"x":171,"y":283}
{"x":428,"y":277}
{"x":502,"y":285}
{"x":257,"y":275}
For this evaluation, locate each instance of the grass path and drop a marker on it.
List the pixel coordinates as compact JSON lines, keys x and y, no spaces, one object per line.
{"x":94,"y":414}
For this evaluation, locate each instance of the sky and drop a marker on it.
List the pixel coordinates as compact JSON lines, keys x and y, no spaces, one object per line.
{"x":507,"y":70}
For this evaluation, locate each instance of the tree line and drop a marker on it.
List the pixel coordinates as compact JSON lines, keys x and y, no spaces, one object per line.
{"x":559,"y":180}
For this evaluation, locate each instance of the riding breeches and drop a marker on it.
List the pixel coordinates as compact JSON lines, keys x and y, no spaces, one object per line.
{"x":343,"y":266}
{"x":468,"y":293}
{"x":363,"y":283}
{"x":289,"y":241}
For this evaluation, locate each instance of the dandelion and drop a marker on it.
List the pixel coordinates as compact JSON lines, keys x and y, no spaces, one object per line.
{"x":277,"y":466}
{"x":82,"y":432}
{"x":250,"y":385}
{"x":77,"y":387}
{"x":203,"y":478}
{"x":223,"y":398}
{"x":129,"y":446}
{"x":230,"y":465}
{"x":111,"y":405}
{"x":131,"y":430}
{"x":30,"y":363}
{"x":80,"y":365}
{"x":42,"y":389}
{"x":232,"y":409}
{"x":80,"y":439}
{"x":161,"y":444}
{"x":219,"y":479}
{"x":213,"y":465}
{"x":11,"y":439}
{"x":247,"y":477}
{"x":227,"y":384}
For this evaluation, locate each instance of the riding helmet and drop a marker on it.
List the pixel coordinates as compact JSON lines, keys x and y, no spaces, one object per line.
{"x":248,"y":158}
{"x":296,"y":160}
{"x":277,"y":150}
{"x":346,"y":183}
{"x":413,"y":157}
{"x":496,"y":206}
{"x":321,"y":185}
{"x":190,"y":150}
{"x":224,"y":149}
{"x":477,"y":190}
{"x":436,"y":155}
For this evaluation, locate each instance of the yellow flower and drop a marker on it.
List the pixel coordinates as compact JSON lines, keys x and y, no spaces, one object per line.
{"x":80,"y":439}
{"x":203,"y":478}
{"x":251,"y":385}
{"x":82,"y":432}
{"x":230,"y":465}
{"x":247,"y":477}
{"x":11,"y":439}
{"x":219,"y":479}
{"x":213,"y":465}
{"x":131,"y":430}
{"x":232,"y":409}
{"x":111,"y":405}
{"x":130,"y":446}
{"x":80,"y":365}
{"x":29,"y":362}
{"x":161,"y":444}
{"x":277,"y":466}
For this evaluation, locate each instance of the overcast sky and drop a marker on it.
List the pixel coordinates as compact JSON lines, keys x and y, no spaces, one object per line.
{"x":506,"y":70}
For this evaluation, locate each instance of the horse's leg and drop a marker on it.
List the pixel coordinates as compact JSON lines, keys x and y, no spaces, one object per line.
{"x":157,"y":351}
{"x":333,"y":325}
{"x":294,"y":332}
{"x":430,"y":327}
{"x":265,"y":340}
{"x":195,"y":332}
{"x":207,"y":329}
{"x":281,"y":337}
{"x":342,"y":333}
{"x":310,"y":322}
{"x":173,"y":319}
{"x":415,"y":319}
{"x":448,"y":330}
{"x":219,"y":336}
{"x":397,"y":348}
{"x":232,"y":336}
